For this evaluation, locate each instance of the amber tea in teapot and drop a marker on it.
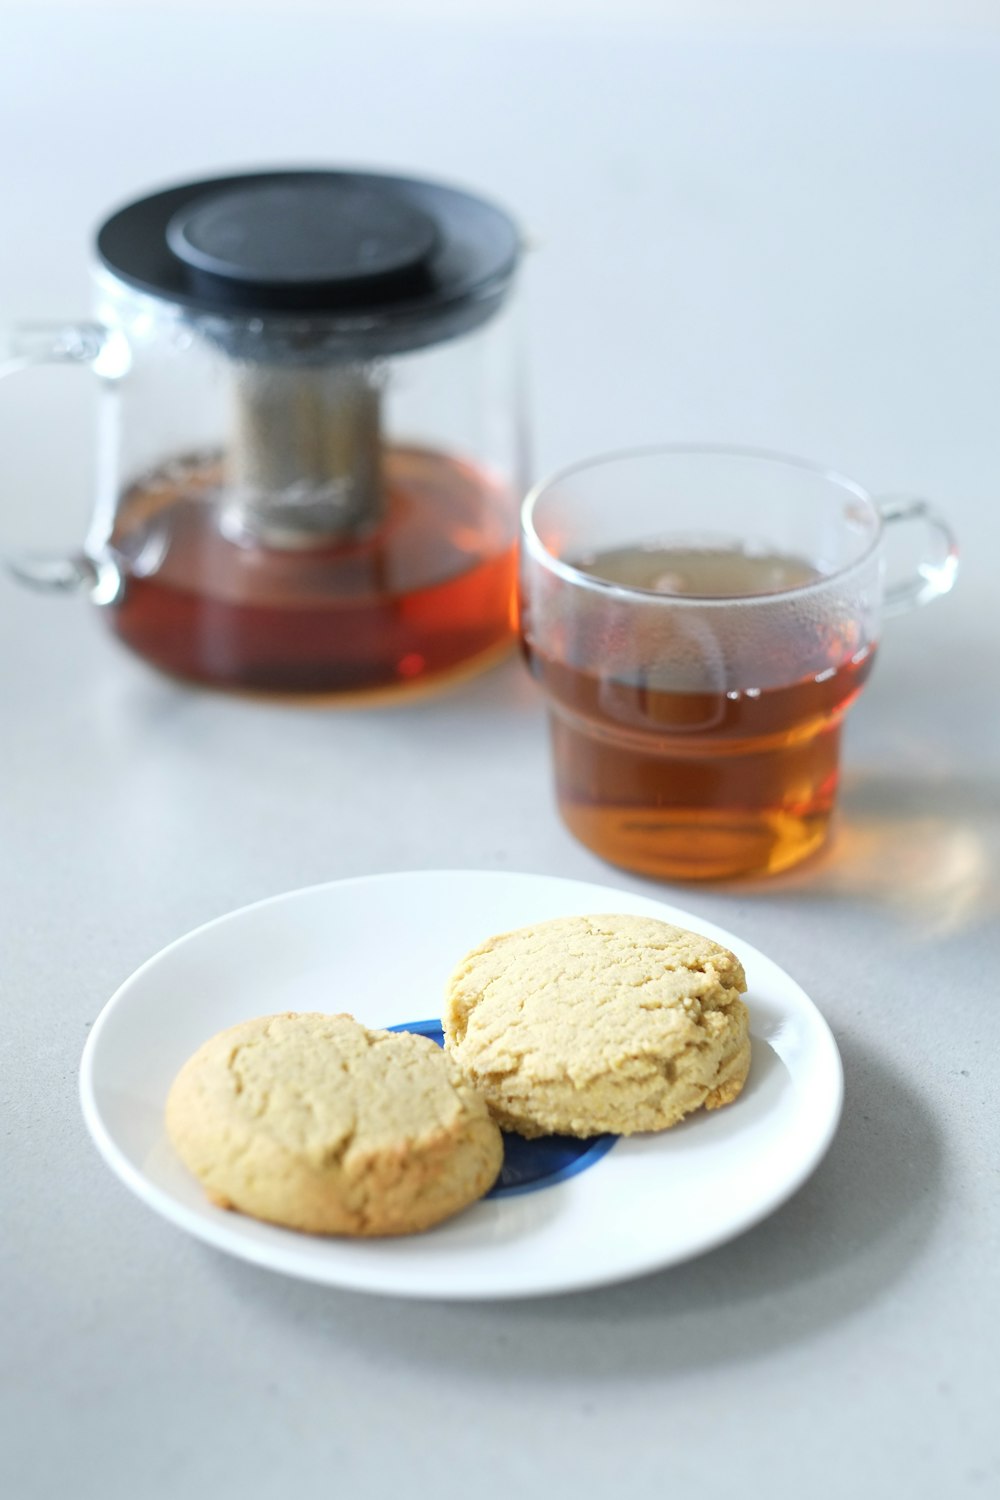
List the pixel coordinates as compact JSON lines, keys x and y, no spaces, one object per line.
{"x":310,"y":456}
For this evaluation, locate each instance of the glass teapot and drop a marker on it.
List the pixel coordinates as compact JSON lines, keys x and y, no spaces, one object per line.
{"x":311,"y":433}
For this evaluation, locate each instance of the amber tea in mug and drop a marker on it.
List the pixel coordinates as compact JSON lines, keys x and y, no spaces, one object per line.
{"x":700,"y":621}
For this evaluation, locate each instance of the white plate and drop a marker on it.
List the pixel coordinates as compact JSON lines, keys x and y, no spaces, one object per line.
{"x":382,"y":947}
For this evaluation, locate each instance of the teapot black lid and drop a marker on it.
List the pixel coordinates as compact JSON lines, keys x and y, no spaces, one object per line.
{"x":391,"y":262}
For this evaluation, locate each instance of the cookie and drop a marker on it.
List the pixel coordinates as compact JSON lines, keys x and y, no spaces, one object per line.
{"x":317,"y":1123}
{"x":592,"y":1024}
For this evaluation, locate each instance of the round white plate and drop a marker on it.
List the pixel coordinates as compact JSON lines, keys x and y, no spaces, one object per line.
{"x":382,"y":948}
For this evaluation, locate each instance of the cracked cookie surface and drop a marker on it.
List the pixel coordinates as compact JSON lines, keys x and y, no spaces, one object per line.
{"x":584,"y":1025}
{"x":317,"y":1123}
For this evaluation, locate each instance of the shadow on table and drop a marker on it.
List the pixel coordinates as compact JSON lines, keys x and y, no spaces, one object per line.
{"x":843,"y":1240}
{"x":927,"y":847}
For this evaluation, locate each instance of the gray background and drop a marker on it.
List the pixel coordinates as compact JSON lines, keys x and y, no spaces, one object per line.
{"x":776,"y":236}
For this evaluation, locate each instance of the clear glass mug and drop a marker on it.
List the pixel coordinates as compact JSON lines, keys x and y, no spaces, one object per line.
{"x":700,"y":619}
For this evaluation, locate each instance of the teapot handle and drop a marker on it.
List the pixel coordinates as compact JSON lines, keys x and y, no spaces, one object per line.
{"x":106,"y":353}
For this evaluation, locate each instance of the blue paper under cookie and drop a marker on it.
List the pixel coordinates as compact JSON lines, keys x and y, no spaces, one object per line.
{"x":539,"y":1163}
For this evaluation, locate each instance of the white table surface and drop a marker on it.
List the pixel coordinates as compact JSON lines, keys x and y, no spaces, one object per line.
{"x":781,"y":238}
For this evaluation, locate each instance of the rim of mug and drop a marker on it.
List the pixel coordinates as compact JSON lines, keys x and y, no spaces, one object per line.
{"x":537,"y":548}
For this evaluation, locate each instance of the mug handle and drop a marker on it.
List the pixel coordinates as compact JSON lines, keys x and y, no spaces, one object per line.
{"x":936,"y":574}
{"x":105,"y":352}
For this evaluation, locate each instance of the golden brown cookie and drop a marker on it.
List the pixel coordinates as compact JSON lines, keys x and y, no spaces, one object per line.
{"x":590,"y":1024}
{"x":317,"y":1123}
